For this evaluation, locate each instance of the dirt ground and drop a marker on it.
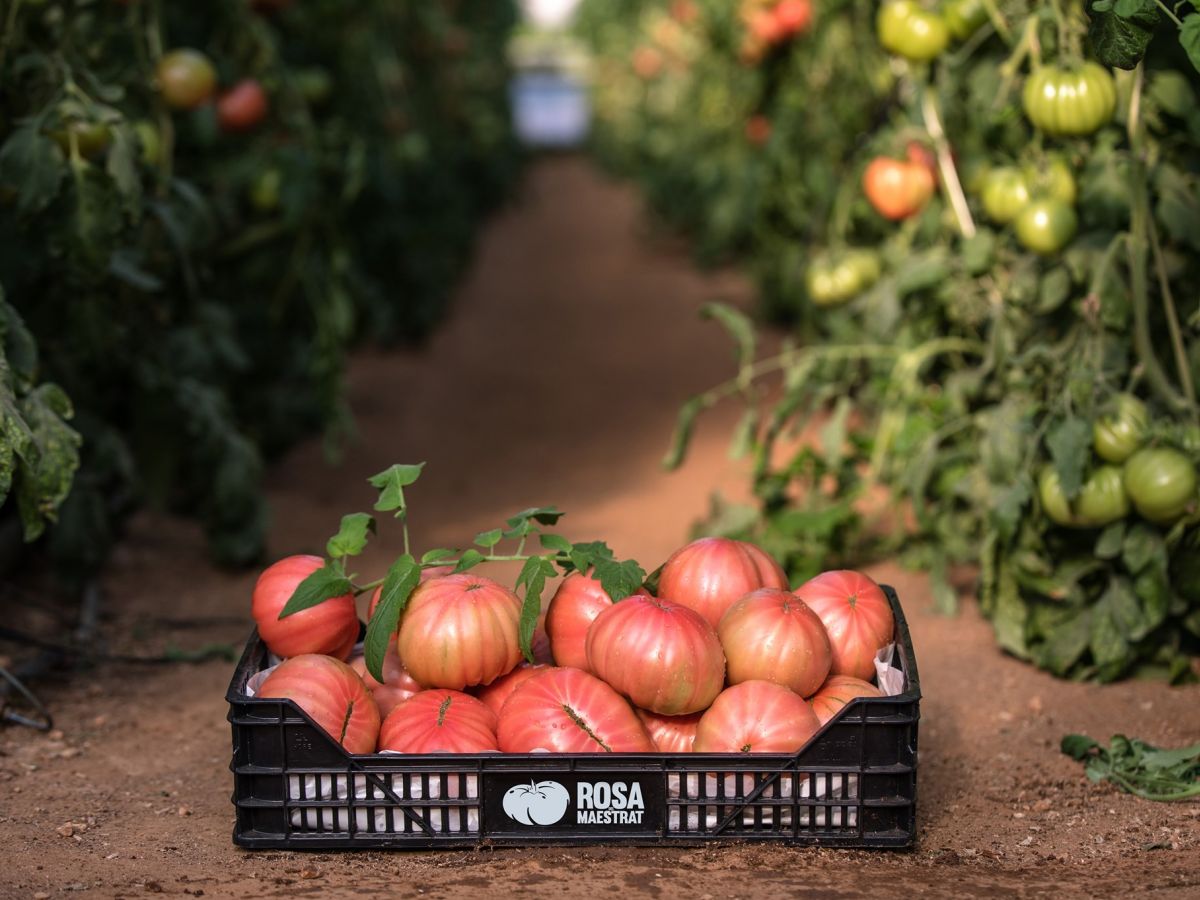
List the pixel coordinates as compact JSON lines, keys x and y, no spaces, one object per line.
{"x":569,"y":348}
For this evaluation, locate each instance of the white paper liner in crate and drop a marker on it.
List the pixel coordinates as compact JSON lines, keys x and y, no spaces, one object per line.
{"x":709,"y":811}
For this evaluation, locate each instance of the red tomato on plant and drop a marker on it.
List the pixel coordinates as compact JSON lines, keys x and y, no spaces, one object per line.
{"x":186,"y":78}
{"x":397,"y":685}
{"x":758,"y":130}
{"x":896,"y":188}
{"x":857,"y":617}
{"x":460,"y":630}
{"x":711,"y":574}
{"x":439,"y":721}
{"x":242,"y":107}
{"x":756,"y":717}
{"x":764,"y":27}
{"x":494,"y":694}
{"x":569,"y":711}
{"x":772,"y":635}
{"x":333,"y":696}
{"x":837,"y":692}
{"x":330,"y":627}
{"x":671,"y":734}
{"x":661,"y":655}
{"x":793,"y":16}
{"x":647,"y":62}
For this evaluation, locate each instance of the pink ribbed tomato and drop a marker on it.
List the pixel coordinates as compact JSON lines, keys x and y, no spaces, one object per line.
{"x":494,"y":694}
{"x":439,"y":721}
{"x":573,"y":608}
{"x":330,"y":627}
{"x":426,"y":574}
{"x":397,"y":684}
{"x":771,"y":635}
{"x":333,"y":696}
{"x":711,"y":574}
{"x":661,"y":655}
{"x":460,"y":630}
{"x":837,"y":692}
{"x":569,"y":711}
{"x":857,"y":616}
{"x":671,"y":734}
{"x":756,"y":717}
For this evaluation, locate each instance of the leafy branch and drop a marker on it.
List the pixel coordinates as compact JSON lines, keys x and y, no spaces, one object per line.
{"x":1137,"y":767}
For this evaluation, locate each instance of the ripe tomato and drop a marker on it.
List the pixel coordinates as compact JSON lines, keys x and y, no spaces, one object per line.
{"x":330,"y":627}
{"x":460,"y":630}
{"x":569,"y":711}
{"x":835,"y":278}
{"x":1005,"y":193}
{"x":573,"y":608}
{"x":904,"y":28}
{"x":897,"y":188}
{"x":1115,"y":437}
{"x":494,"y":694}
{"x":771,"y":635}
{"x":439,"y":721}
{"x":647,"y":63}
{"x":711,"y":574}
{"x":186,"y":79}
{"x":1046,"y":226}
{"x":756,"y":717}
{"x":758,"y":130}
{"x":837,"y":692}
{"x":856,"y":615}
{"x":397,"y":685}
{"x":660,"y":654}
{"x":1071,"y":100}
{"x":793,"y":16}
{"x":91,"y":138}
{"x":242,"y":107}
{"x":670,"y":734}
{"x":1101,"y":499}
{"x":764,"y":27}
{"x":964,"y":17}
{"x":333,"y":696}
{"x":1161,"y":482}
{"x":426,"y":574}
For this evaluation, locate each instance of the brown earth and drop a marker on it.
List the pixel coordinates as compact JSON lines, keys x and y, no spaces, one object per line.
{"x":555,"y":381}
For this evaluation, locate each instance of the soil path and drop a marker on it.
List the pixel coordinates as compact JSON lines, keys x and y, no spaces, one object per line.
{"x":555,"y":381}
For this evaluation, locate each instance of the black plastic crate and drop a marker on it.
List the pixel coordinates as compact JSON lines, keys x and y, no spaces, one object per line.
{"x":853,"y":785}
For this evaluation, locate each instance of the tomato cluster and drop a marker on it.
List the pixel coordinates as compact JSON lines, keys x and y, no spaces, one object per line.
{"x":722,"y":657}
{"x":1159,"y":482}
{"x":769,"y":23}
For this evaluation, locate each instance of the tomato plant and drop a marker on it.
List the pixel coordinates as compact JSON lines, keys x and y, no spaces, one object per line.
{"x":756,"y":717}
{"x":771,"y":635}
{"x":439,"y":721}
{"x":663,"y":656}
{"x":1070,"y":101}
{"x":333,"y":696}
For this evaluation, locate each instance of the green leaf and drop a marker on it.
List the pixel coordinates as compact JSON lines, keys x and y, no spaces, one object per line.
{"x":1078,"y":746}
{"x":533,"y":577}
{"x":1143,"y":547}
{"x":469,"y":560}
{"x":437,"y":555}
{"x":543,"y":515}
{"x":744,"y":434}
{"x":1070,"y":446}
{"x":1054,"y":289}
{"x":1172,"y":92}
{"x":391,"y":483}
{"x":922,"y":271}
{"x":739,"y":326}
{"x":49,"y":452}
{"x":401,"y":580}
{"x":683,"y":433}
{"x":1008,"y":507}
{"x":584,"y":556}
{"x":488,"y":539}
{"x":32,"y":165}
{"x":1121,"y":41}
{"x":1110,"y":541}
{"x":619,"y":579}
{"x":328,"y":581}
{"x":978,"y":251}
{"x":1189,"y":37}
{"x":555,"y":542}
{"x":351,"y":538}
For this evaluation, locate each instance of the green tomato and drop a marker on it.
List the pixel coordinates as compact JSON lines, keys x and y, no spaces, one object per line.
{"x":150,"y":142}
{"x":1046,"y":226}
{"x":1070,"y":101}
{"x":1055,"y":504}
{"x":1161,"y":482}
{"x":1005,"y":193}
{"x":1055,"y":182}
{"x":1116,"y":437}
{"x":835,"y":279}
{"x":1102,"y":499}
{"x":964,"y":17}
{"x":264,"y":192}
{"x":908,"y":30}
{"x":91,"y":138}
{"x":186,"y":78}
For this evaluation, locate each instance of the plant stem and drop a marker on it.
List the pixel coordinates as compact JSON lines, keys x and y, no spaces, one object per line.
{"x":950,"y":179}
{"x":1170,"y":14}
{"x":1172,"y":316}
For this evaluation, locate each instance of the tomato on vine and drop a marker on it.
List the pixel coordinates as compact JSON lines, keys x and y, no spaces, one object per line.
{"x":1117,"y":436}
{"x":1046,"y":226}
{"x":1161,"y":482}
{"x":908,"y":30}
{"x":897,"y":188}
{"x":186,"y":79}
{"x":91,"y":139}
{"x":242,"y":107}
{"x":1101,"y":501}
{"x":1005,"y":193}
{"x":836,"y":278}
{"x":1072,"y":100}
{"x":964,"y":17}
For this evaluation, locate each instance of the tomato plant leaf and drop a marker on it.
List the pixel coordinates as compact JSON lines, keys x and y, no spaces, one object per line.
{"x":1070,"y":446}
{"x":619,"y":579}
{"x":584,"y":556}
{"x":739,"y":327}
{"x":555,"y":542}
{"x":543,"y":515}
{"x":1121,"y":40}
{"x":532,"y":577}
{"x":401,"y":580}
{"x":1189,"y":37}
{"x":351,"y":538}
{"x":488,"y":539}
{"x":391,"y":483}
{"x":1110,"y":541}
{"x":469,"y":560}
{"x":49,"y":457}
{"x":1138,"y":768}
{"x":328,"y":581}
{"x":744,"y":435}
{"x":437,"y":555}
{"x":31,"y":165}
{"x":683,"y":433}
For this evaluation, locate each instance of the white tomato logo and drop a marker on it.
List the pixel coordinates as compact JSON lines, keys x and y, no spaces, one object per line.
{"x":537,"y":803}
